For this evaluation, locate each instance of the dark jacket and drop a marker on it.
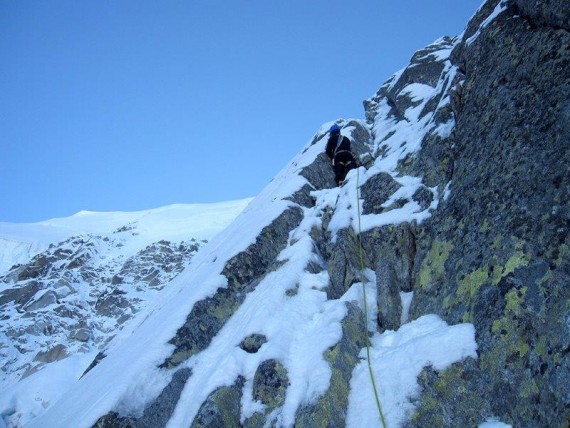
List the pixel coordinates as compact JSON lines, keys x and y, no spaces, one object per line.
{"x":337,"y":143}
{"x":338,"y":150}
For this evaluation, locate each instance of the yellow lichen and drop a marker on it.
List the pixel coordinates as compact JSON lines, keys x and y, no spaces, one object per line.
{"x":515,"y":298}
{"x":517,"y":260}
{"x":433,"y":266}
{"x":469,"y":285}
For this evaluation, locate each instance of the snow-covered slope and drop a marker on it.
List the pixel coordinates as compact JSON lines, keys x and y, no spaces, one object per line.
{"x":265,"y":277}
{"x":81,"y":278}
{"x":19,"y":242}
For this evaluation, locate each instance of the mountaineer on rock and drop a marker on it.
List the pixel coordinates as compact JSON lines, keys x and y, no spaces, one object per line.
{"x":338,"y":150}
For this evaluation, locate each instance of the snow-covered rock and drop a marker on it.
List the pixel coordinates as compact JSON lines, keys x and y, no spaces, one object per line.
{"x":428,"y":290}
{"x":73,"y":296}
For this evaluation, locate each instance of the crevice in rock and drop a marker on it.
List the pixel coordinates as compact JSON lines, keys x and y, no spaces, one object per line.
{"x":412,"y":251}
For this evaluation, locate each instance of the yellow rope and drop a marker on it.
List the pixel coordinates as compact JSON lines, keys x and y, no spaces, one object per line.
{"x":362,"y":279}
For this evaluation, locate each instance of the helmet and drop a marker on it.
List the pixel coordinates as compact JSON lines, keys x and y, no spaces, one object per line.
{"x":334,"y":128}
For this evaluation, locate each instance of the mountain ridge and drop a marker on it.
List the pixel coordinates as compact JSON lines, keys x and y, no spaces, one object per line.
{"x":455,"y":227}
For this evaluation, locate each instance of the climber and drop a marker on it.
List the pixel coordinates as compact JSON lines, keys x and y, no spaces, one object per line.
{"x":338,"y":150}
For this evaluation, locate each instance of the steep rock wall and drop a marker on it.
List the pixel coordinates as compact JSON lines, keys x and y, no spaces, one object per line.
{"x":496,"y":253}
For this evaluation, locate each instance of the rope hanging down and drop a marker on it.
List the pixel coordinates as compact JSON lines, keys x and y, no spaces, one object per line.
{"x":362,"y":280}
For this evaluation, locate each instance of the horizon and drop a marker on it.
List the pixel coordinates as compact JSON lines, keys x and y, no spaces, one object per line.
{"x":135,"y":106}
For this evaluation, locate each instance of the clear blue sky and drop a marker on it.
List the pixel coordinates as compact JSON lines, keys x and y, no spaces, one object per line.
{"x":123,"y":105}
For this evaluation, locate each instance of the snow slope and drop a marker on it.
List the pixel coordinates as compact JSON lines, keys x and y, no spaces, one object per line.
{"x":76,"y":283}
{"x":19,"y":242}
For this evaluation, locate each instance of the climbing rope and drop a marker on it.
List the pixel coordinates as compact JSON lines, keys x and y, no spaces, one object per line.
{"x":362,"y":280}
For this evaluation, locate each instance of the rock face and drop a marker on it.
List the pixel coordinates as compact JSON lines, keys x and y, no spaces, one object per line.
{"x":496,"y":253}
{"x":464,"y":202}
{"x":76,"y":295}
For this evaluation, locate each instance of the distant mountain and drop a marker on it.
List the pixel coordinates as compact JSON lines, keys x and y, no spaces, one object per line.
{"x":19,"y":242}
{"x":430,"y":290}
{"x":74,"y":282}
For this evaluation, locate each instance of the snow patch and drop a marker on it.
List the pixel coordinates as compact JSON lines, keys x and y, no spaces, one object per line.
{"x":494,"y":423}
{"x":500,"y":8}
{"x":406,"y":299}
{"x":397,"y":359}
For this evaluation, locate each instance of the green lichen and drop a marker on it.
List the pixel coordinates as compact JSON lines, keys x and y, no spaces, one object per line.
{"x":332,"y":354}
{"x":451,"y":385}
{"x":497,"y":242}
{"x":485,"y":226}
{"x":447,"y":378}
{"x":431,"y":407}
{"x":335,"y":398}
{"x":515,"y":298}
{"x":270,"y":384}
{"x":225,"y":308}
{"x":179,"y":357}
{"x":523,"y":348}
{"x":469,"y":286}
{"x":493,"y":360}
{"x":512,"y":345}
{"x":330,"y":408}
{"x":226,"y":400}
{"x":517,"y":260}
{"x":529,"y":388}
{"x":563,"y":255}
{"x":541,"y":348}
{"x":255,"y":421}
{"x":433,"y":266}
{"x":498,"y":327}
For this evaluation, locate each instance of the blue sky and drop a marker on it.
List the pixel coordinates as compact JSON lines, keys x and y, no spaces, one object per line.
{"x":134,"y":104}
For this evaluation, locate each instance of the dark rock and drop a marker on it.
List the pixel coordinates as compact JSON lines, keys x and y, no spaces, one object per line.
{"x":424,"y":68}
{"x":20,"y":295}
{"x":112,"y":304}
{"x":270,"y":384}
{"x":252,"y":343}
{"x":493,"y":253}
{"x":303,"y":197}
{"x":550,"y":13}
{"x":221,"y":408}
{"x":56,"y":353}
{"x":388,"y":292}
{"x":46,"y":299}
{"x":98,"y":358}
{"x":157,"y":413}
{"x":424,"y":197}
{"x":376,"y":191}
{"x":343,"y":263}
{"x":320,"y":174}
{"x":81,"y":334}
{"x":451,"y":385}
